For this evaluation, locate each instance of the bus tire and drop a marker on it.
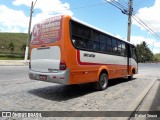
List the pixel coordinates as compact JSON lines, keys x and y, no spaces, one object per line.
{"x":130,"y":77}
{"x":102,"y":82}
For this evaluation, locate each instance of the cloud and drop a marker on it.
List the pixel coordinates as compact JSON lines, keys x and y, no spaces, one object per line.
{"x":152,"y":44}
{"x":47,"y":6}
{"x":139,"y":39}
{"x":17,"y":21}
{"x":10,"y":20}
{"x":150,"y":16}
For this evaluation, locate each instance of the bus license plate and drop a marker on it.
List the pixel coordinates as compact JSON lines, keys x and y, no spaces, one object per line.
{"x":42,"y":77}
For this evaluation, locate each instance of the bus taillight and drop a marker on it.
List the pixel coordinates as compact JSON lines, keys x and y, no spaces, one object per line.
{"x":62,"y":65}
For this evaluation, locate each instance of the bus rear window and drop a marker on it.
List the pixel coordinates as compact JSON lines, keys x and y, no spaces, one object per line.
{"x":48,"y":31}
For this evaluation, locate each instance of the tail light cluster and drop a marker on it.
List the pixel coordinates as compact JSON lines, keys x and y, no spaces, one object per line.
{"x":62,"y":65}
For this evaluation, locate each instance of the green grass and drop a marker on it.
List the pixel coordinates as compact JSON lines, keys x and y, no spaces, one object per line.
{"x":10,"y":58}
{"x":157,"y":57}
{"x":17,"y":38}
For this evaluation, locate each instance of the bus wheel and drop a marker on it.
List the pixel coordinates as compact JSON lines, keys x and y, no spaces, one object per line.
{"x":102,"y":82}
{"x":130,"y":77}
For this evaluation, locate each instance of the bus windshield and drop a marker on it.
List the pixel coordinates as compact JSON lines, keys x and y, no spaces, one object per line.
{"x":48,"y":31}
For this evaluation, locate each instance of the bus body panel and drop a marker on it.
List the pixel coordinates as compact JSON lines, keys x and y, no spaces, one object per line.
{"x":81,"y":66}
{"x":45,"y":59}
{"x":134,"y":66}
{"x":116,"y":65}
{"x":61,"y":77}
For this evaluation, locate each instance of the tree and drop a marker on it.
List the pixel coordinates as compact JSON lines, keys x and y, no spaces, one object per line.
{"x":11,"y":47}
{"x":23,"y":48}
{"x":144,"y":54}
{"x":156,"y":57}
{"x":144,"y":44}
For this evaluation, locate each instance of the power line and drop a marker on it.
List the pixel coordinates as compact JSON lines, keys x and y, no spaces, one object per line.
{"x":121,"y":5}
{"x":144,"y":25}
{"x":148,"y":28}
{"x":117,"y":5}
{"x":124,"y":7}
{"x":139,"y":17}
{"x":123,"y":2}
{"x":87,"y":6}
{"x":82,"y":7}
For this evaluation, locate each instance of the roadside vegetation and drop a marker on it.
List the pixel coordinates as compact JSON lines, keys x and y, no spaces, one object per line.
{"x":144,"y":54}
{"x":12,"y":46}
{"x":157,"y":57}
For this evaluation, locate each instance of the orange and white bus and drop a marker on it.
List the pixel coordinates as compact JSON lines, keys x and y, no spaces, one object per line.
{"x":67,"y":51}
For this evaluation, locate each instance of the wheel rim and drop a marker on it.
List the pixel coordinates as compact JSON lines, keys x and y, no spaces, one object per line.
{"x":103,"y":81}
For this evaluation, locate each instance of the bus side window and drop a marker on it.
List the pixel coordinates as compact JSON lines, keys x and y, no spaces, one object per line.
{"x":119,"y":51}
{"x":128,"y":51}
{"x":103,"y":47}
{"x":81,"y":31}
{"x":96,"y":46}
{"x":96,"y":42}
{"x":81,"y":36}
{"x":109,"y":44}
{"x":123,"y":52}
{"x":77,"y":42}
{"x":88,"y":45}
{"x":133,"y":54}
{"x":114,"y":46}
{"x":103,"y":43}
{"x":82,"y":43}
{"x":74,"y":42}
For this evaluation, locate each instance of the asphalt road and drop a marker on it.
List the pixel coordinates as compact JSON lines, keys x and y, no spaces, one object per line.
{"x":19,"y":93}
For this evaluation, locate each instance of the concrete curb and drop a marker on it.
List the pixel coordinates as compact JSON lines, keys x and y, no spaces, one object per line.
{"x":13,"y":63}
{"x":140,"y":98}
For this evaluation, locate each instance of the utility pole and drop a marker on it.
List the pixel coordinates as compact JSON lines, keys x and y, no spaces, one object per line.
{"x":129,"y":20}
{"x":29,"y":36}
{"x":29,"y":31}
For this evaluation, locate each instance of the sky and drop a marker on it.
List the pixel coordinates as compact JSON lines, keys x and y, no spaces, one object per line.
{"x":14,"y":16}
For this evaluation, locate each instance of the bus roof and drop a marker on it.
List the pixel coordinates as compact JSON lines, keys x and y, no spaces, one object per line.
{"x":100,"y":30}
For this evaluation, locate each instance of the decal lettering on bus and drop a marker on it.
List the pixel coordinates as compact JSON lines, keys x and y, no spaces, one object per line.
{"x":47,"y":31}
{"x":89,"y":55}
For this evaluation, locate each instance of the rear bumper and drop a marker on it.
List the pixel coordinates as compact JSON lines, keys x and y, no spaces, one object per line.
{"x":61,"y":77}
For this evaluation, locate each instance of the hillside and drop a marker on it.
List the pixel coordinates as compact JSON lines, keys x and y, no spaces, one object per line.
{"x":18,"y":40}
